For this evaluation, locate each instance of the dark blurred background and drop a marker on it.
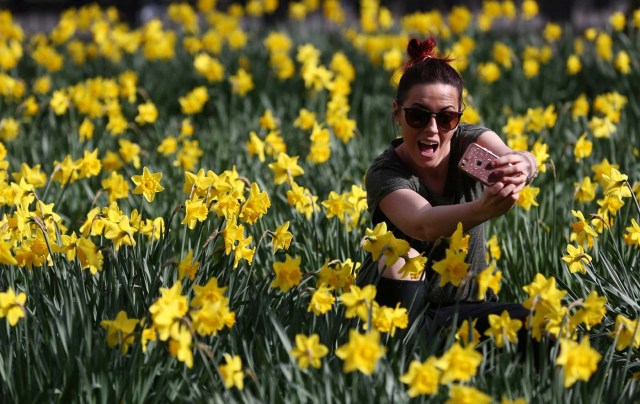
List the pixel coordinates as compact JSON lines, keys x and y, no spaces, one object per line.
{"x":42,"y":15}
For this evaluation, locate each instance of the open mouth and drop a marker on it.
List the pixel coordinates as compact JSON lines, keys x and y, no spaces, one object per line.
{"x":427,"y":148}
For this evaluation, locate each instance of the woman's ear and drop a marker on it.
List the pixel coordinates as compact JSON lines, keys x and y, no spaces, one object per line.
{"x":395,"y":116}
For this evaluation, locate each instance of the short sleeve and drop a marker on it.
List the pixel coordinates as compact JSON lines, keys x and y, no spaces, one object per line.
{"x":385,"y":175}
{"x":467,"y":134}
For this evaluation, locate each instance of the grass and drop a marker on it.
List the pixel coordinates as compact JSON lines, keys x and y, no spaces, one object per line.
{"x":58,"y":353}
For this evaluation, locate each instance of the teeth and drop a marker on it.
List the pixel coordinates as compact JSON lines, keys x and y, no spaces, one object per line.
{"x":425,"y":143}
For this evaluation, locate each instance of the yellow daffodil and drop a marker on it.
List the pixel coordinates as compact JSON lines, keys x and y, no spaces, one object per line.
{"x":458,"y":363}
{"x":267,"y":120}
{"x":306,"y":119}
{"x":618,"y":21}
{"x":503,"y":329}
{"x":573,"y":65}
{"x":632,"y":236}
{"x":389,"y":319}
{"x":188,"y":267}
{"x":89,"y":165}
{"x":362,"y":352}
{"x":147,"y":184}
{"x":168,"y":146}
{"x":488,"y":72}
{"x":459,"y":242}
{"x":542,"y":288}
{"x":582,"y":148}
{"x":604,"y":46}
{"x":89,"y":255}
{"x":12,"y":306}
{"x":585,"y":190}
{"x":625,"y":332}
{"x":59,"y":102}
{"x":193,"y":102}
{"x":120,"y":331}
{"x":358,"y":301}
{"x":255,"y":206}
{"x":85,"y":131}
{"x":231,"y":372}
{"x":530,"y":67}
{"x":413,"y":267}
{"x":285,"y":168}
{"x":494,"y":252}
{"x":274,"y":144}
{"x":579,"y":360}
{"x":42,"y":85}
{"x":212,"y":315}
{"x":459,"y":393}
{"x":580,"y":107}
{"x":489,"y":278}
{"x":452,"y":268}
{"x":321,"y":301}
{"x":209,"y":293}
{"x":210,"y":68}
{"x":375,"y":240}
{"x":591,"y":312}
{"x":615,"y":184}
{"x":147,"y":113}
{"x":527,"y":197}
{"x":180,"y":344}
{"x":242,"y":251}
{"x":282,"y":237}
{"x":9,"y":129}
{"x":287,"y":273}
{"x":552,"y":32}
{"x":622,"y":62}
{"x":309,"y":351}
{"x":130,"y":152}
{"x":338,"y":275}
{"x":116,"y":186}
{"x":195,"y":211}
{"x":581,"y":231}
{"x":460,"y":18}
{"x":467,"y":333}
{"x":168,"y":309}
{"x":241,"y":82}
{"x":422,"y":377}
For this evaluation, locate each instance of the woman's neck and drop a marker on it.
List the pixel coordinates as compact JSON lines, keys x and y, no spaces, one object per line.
{"x":433,"y":177}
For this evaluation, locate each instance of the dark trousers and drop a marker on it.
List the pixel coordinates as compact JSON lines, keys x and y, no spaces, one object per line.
{"x":412,"y":296}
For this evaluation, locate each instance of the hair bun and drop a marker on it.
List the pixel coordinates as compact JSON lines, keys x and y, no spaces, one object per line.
{"x":421,"y":50}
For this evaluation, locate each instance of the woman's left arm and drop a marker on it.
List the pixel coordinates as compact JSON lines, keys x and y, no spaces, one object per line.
{"x":513,"y":167}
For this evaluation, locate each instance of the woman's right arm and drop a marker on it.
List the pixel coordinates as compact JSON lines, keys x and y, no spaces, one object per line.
{"x":417,"y":218}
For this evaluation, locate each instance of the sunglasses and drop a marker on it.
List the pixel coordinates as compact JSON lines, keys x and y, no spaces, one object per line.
{"x":418,"y":118}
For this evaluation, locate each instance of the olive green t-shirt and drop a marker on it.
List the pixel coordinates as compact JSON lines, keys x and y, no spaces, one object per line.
{"x":388,"y":173}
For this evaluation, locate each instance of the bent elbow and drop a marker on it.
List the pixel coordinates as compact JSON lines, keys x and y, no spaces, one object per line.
{"x":427,"y":233}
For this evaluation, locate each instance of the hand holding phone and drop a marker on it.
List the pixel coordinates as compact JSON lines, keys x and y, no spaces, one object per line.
{"x":474,"y":163}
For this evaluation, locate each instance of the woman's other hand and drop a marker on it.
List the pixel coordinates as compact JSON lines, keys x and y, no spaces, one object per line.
{"x":516,"y":168}
{"x":512,"y":167}
{"x":499,"y":198}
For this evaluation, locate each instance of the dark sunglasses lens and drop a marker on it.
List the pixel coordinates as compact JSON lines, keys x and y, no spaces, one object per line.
{"x":447,"y":120}
{"x":416,"y":118}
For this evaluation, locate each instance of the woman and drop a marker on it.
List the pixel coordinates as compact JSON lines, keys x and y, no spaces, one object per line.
{"x":417,"y":189}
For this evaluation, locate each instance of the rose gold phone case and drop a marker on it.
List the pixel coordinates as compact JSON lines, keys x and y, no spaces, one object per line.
{"x":474,"y":162}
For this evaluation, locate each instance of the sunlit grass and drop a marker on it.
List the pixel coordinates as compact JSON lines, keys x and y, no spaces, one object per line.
{"x":84,"y":246}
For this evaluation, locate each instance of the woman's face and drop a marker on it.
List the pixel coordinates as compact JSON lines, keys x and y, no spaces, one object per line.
{"x":429,"y":146}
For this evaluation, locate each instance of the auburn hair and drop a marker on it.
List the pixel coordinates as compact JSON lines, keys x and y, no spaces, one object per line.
{"x":425,"y":65}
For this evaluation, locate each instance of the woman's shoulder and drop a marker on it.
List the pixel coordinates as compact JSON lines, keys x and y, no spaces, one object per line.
{"x":388,"y":161}
{"x":471,"y":130}
{"x":388,"y":172}
{"x":466,"y":134}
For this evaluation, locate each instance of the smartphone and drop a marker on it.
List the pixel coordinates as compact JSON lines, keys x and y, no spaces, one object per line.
{"x":474,"y":163}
